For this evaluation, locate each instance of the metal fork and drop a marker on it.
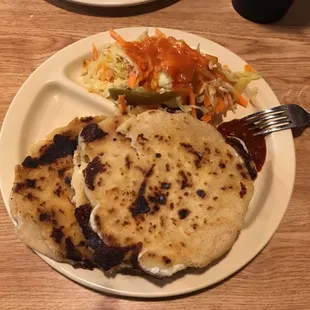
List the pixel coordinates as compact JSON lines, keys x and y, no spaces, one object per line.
{"x":282,"y":117}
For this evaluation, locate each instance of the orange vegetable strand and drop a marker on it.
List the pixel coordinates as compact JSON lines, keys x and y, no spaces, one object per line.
{"x":242,"y":101}
{"x":206,"y":101}
{"x":86,"y":62}
{"x":117,"y":37}
{"x":206,"y":118}
{"x":159,"y":34}
{"x":132,"y":80}
{"x":248,"y":68}
{"x":220,"y":107}
{"x":122,"y":102}
{"x":95,"y":52}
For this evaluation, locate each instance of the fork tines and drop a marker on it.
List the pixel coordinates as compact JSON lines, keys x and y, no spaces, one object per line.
{"x":268,"y":121}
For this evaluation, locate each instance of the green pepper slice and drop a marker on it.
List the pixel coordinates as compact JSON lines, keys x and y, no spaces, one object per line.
{"x":135,"y":98}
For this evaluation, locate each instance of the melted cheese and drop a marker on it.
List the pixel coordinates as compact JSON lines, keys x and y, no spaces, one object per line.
{"x":77,"y":182}
{"x":161,"y":272}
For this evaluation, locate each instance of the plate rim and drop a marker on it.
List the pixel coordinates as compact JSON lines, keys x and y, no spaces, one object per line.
{"x":110,"y":3}
{"x":72,"y":276}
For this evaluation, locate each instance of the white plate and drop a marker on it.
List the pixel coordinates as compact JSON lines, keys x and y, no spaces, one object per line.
{"x":51,"y":97}
{"x":111,"y":3}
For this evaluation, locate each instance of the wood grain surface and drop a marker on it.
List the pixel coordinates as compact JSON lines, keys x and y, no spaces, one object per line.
{"x":279,"y":278}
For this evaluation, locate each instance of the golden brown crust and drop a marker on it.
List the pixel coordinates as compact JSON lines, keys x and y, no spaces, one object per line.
{"x":41,"y":196}
{"x":170,"y":183}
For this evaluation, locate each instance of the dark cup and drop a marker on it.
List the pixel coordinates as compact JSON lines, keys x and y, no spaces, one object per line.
{"x":262,"y":11}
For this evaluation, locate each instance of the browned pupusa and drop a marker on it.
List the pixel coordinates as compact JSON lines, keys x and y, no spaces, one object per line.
{"x":166,"y":188}
{"x":41,"y":196}
{"x":100,"y":140}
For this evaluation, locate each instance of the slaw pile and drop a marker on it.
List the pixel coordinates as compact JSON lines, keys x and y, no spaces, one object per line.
{"x":160,"y":64}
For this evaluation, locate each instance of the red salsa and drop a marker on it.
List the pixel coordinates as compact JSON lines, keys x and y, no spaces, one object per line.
{"x":256,"y":145}
{"x":160,"y":54}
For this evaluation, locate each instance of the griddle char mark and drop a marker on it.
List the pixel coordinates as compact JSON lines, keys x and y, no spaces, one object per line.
{"x":29,"y":183}
{"x":82,"y":215}
{"x":92,"y":132}
{"x":104,"y":256}
{"x":185,"y":181}
{"x":140,"y":205}
{"x":92,"y":169}
{"x":72,"y":252}
{"x":107,"y":257}
{"x":61,"y":147}
{"x":189,"y":148}
{"x":86,"y":119}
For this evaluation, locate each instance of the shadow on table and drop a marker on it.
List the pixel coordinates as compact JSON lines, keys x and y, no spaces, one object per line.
{"x":112,"y":12}
{"x":175,"y":277}
{"x":178,"y":276}
{"x":161,"y":283}
{"x":298,"y":15}
{"x":297,"y":132}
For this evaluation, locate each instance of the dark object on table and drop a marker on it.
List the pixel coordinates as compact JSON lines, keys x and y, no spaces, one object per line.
{"x":262,"y":11}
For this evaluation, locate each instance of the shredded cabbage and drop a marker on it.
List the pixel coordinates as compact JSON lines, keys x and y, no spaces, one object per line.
{"x":218,"y":88}
{"x":188,"y":108}
{"x":110,"y":58}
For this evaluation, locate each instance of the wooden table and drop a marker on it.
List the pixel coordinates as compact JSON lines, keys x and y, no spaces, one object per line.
{"x":279,"y":278}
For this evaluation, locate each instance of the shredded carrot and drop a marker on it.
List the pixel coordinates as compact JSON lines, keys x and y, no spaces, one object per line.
{"x":117,"y":37}
{"x":220,"y":107}
{"x":95,"y":52}
{"x":242,"y":101}
{"x":122,"y":102}
{"x":105,"y":73}
{"x":132,"y":80}
{"x":206,"y":118}
{"x":206,"y":101}
{"x":225,"y":66}
{"x":192,"y":101}
{"x":86,"y":62}
{"x":159,"y":34}
{"x":109,"y":75}
{"x":248,"y":68}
